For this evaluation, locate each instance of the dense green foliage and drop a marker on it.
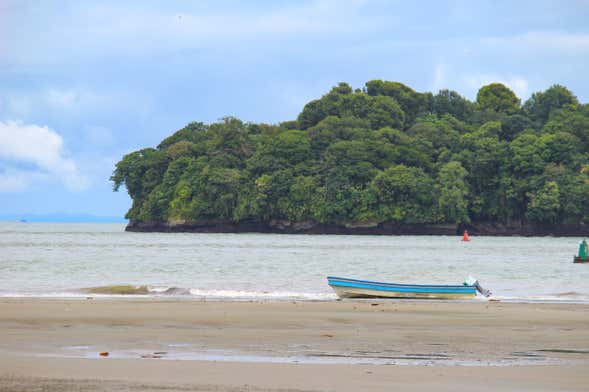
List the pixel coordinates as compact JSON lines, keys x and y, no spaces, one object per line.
{"x":383,"y":153}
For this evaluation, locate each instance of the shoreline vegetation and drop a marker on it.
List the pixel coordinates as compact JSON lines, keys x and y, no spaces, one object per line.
{"x":383,"y":159}
{"x":364,"y":228}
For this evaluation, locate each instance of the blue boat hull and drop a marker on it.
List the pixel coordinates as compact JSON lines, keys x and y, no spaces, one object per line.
{"x":354,"y":288}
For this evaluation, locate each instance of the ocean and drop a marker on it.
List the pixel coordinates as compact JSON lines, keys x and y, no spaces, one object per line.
{"x":63,"y":260}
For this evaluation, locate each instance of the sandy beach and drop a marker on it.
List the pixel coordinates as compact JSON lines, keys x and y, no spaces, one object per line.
{"x":152,"y":344}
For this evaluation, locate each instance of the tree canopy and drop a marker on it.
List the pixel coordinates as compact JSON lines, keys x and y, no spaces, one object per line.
{"x":498,"y":98}
{"x":384,"y":153}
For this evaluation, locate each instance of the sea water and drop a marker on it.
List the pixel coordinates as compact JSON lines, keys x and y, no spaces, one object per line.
{"x":61,"y":260}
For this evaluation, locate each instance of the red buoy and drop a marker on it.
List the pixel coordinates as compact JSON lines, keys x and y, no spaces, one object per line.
{"x":465,"y":236}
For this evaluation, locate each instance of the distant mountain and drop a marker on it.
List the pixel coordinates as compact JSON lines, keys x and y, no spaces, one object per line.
{"x":62,"y":218}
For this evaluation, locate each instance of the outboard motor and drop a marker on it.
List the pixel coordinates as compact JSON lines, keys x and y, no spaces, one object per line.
{"x":481,"y":289}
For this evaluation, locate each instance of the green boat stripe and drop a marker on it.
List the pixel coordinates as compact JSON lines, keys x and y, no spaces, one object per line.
{"x":406,"y":289}
{"x":331,"y":279}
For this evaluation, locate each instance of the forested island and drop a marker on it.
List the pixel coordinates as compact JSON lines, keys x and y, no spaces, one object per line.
{"x":383,"y":159}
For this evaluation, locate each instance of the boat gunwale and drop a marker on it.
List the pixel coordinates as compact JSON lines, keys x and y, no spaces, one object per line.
{"x":415,"y":290}
{"x":371,"y":282}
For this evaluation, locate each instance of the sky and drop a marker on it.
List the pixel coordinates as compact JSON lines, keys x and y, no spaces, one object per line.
{"x":83,"y":83}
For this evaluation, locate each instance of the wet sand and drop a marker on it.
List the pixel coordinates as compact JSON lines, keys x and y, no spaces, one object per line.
{"x":54,"y":345}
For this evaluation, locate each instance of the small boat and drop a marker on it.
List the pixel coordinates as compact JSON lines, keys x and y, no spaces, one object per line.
{"x":355,"y":288}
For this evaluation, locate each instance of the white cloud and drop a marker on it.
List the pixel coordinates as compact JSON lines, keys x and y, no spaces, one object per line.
{"x":326,"y":16}
{"x":518,"y":84}
{"x":96,"y":135}
{"x":13,"y":181}
{"x":18,"y":105}
{"x":72,"y":101}
{"x":21,"y":105}
{"x":62,"y":98}
{"x":30,"y":152}
{"x":127,"y":29}
{"x":439,"y":78}
{"x":547,"y":41}
{"x":469,"y":84}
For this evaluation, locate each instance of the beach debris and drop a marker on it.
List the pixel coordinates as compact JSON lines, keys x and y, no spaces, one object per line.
{"x":494,"y":300}
{"x":160,"y":352}
{"x":151,"y":356}
{"x":326,"y":335}
{"x":374,"y":304}
{"x":104,"y":354}
{"x":563,"y":351}
{"x":526,"y":354}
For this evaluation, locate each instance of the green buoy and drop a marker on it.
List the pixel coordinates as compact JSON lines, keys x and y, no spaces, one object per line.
{"x":583,"y":256}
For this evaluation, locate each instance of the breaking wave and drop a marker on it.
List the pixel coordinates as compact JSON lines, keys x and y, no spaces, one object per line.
{"x":117,"y":290}
{"x":172,"y":291}
{"x":155,"y":291}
